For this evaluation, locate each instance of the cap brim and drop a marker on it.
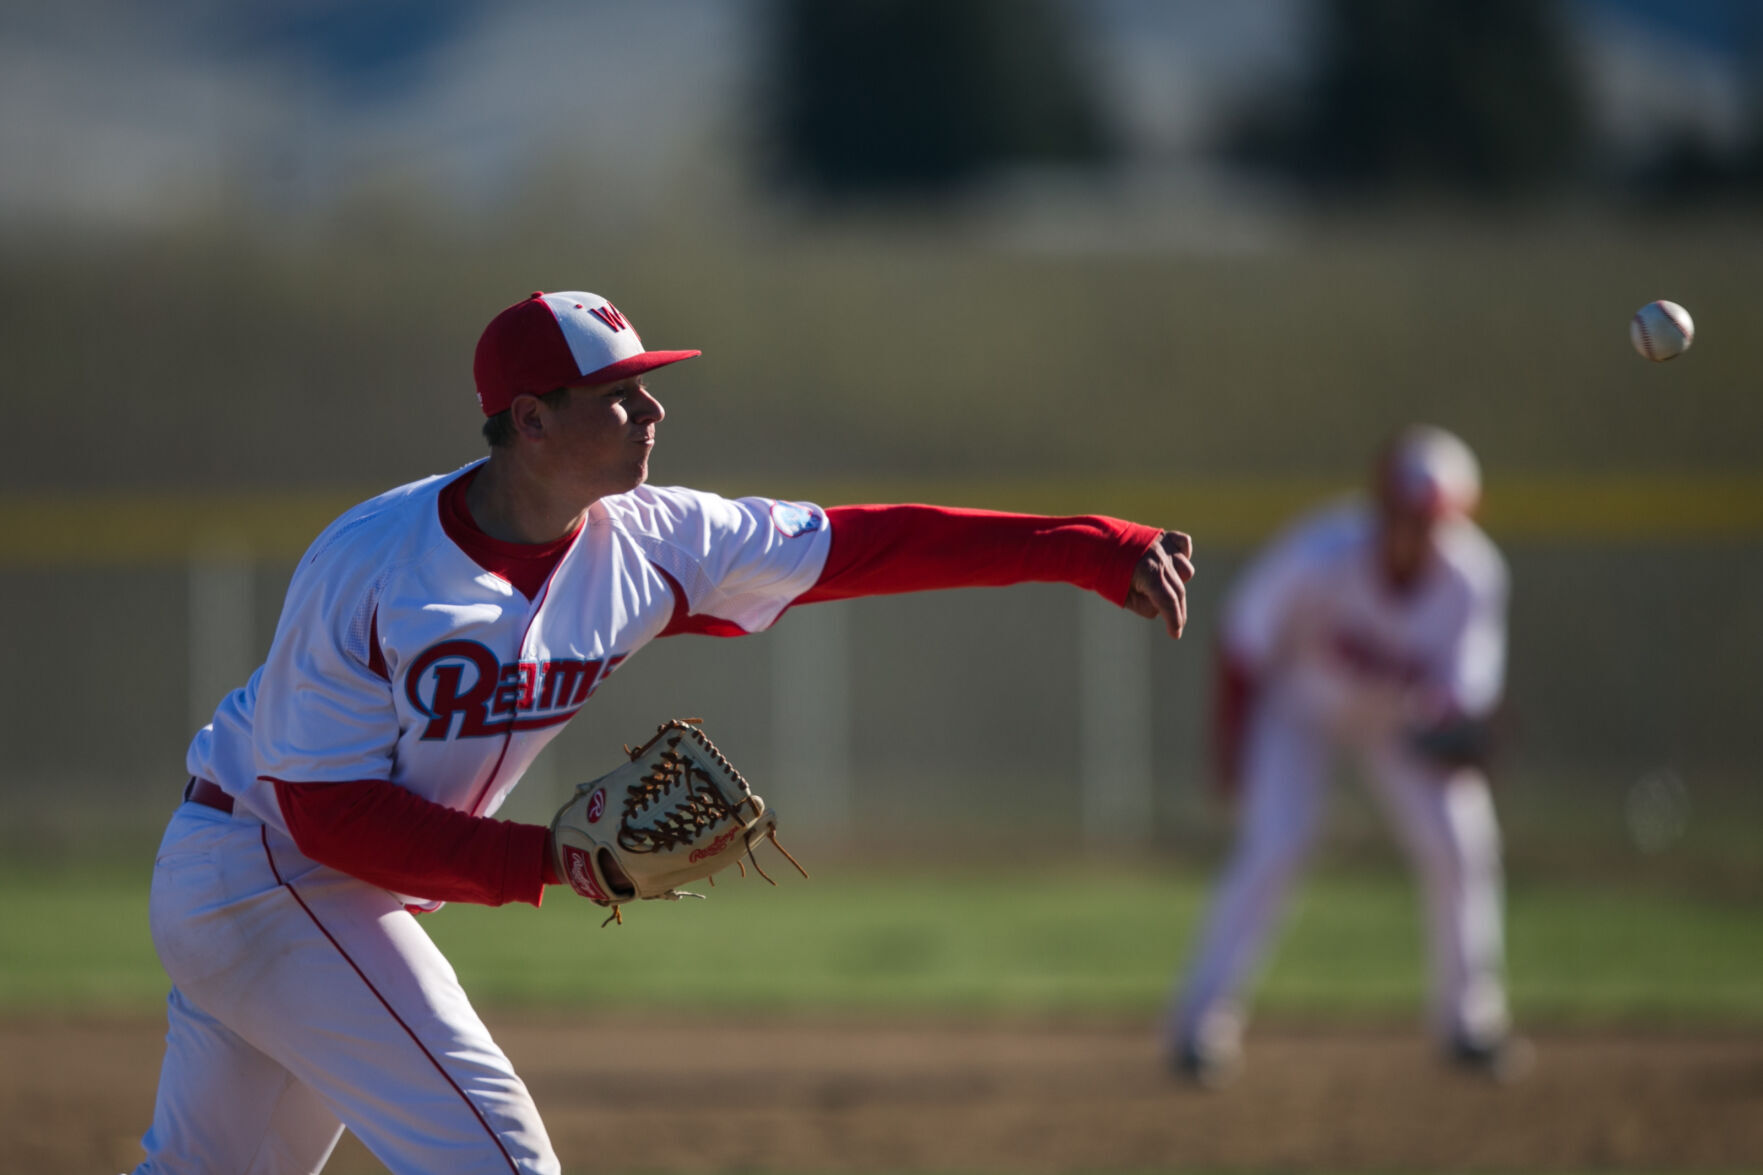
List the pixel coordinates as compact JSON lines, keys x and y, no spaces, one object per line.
{"x":635,"y":365}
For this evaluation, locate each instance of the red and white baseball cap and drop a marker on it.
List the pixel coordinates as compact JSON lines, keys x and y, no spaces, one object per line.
{"x":1431,"y":472}
{"x":563,"y":340}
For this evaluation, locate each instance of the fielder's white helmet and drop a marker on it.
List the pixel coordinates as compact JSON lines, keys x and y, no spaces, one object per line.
{"x":1427,"y":469}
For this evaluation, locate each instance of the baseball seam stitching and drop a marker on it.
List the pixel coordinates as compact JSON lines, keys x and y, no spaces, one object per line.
{"x":1683,"y":327}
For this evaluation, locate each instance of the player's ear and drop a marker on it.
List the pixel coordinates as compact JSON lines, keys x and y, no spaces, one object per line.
{"x":526,"y":417}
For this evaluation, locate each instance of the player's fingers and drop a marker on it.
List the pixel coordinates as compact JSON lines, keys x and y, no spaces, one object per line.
{"x":1178,"y":543}
{"x":1174,"y":621}
{"x":1148,"y":601}
{"x":1170,"y":597}
{"x":1159,"y":583}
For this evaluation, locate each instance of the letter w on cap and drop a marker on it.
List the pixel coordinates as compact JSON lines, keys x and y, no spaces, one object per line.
{"x":609,"y":315}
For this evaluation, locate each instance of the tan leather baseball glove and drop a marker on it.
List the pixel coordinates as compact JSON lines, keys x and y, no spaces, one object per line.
{"x":677,"y":812}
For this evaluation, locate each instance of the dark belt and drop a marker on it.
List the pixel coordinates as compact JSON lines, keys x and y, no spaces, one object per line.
{"x":209,"y":795}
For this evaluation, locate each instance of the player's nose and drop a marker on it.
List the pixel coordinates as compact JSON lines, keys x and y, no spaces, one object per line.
{"x":647,"y":409}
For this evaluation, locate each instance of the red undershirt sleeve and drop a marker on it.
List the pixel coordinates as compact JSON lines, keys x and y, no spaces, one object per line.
{"x":391,"y":837}
{"x":881,"y":550}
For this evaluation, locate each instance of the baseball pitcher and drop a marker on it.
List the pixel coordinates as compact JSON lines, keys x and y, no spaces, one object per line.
{"x":433,"y":640}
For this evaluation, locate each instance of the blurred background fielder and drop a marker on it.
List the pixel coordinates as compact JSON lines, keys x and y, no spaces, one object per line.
{"x":1378,"y":628}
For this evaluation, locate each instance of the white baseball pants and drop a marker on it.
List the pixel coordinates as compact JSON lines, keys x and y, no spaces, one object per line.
{"x":305,"y":1000}
{"x":1443,"y":819}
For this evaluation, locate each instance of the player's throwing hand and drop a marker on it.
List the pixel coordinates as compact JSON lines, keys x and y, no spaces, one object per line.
{"x":1159,"y":582}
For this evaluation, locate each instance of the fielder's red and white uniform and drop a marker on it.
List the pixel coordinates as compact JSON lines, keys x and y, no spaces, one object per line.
{"x":1333,"y":658}
{"x":418,"y":668}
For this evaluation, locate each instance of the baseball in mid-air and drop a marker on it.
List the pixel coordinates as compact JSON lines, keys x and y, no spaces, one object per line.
{"x":1661,"y":331}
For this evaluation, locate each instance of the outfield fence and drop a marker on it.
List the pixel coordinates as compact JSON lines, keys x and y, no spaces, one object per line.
{"x":1011,"y":716}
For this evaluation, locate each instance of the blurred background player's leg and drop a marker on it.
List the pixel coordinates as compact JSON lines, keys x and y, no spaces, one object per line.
{"x":1445,"y":820}
{"x":1284,"y":774}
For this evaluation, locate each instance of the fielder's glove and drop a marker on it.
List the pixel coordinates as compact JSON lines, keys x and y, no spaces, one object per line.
{"x":1455,"y":743}
{"x":678,"y":811}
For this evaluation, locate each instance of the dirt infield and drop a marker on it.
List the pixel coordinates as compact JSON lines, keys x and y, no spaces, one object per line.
{"x":806,"y":1095}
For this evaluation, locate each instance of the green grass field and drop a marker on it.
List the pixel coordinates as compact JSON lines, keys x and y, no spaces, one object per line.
{"x":1062,"y":941}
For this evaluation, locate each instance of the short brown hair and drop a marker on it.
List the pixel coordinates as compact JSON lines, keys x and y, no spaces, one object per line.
{"x":499,"y":429}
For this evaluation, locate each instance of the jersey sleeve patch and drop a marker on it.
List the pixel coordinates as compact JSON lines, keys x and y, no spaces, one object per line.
{"x":740,"y":560}
{"x":795,"y":519}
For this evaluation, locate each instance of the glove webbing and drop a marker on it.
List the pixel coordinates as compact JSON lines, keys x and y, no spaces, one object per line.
{"x":700,"y":806}
{"x":684,"y":814}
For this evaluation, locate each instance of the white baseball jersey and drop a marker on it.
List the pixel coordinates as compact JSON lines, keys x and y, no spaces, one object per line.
{"x":1314,"y":619}
{"x":399,"y":658}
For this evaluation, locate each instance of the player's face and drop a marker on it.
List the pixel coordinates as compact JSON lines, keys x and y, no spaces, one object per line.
{"x":1405,"y":544}
{"x":604,"y":433}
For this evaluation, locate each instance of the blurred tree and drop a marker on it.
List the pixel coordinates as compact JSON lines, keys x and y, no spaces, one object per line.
{"x":892,"y":97}
{"x":1466,"y":97}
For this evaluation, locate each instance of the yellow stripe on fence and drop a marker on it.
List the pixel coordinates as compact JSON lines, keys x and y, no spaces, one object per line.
{"x":128,"y":529}
{"x":137,"y":529}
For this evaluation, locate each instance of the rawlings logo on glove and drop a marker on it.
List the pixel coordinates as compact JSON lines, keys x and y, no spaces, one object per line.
{"x":678,"y":811}
{"x":580,"y":874}
{"x":713,"y":848}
